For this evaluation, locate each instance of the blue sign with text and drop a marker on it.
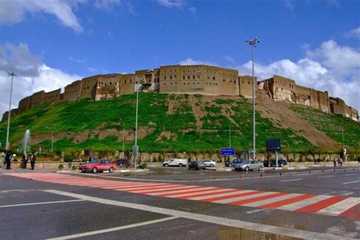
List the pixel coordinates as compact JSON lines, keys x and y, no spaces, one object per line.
{"x":228,"y":151}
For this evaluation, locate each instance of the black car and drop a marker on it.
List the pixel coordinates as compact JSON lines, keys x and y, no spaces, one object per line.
{"x":196,"y":165}
{"x":272,"y":163}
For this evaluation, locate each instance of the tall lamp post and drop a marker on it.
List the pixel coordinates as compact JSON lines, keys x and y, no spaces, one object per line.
{"x":253,"y":43}
{"x":12,"y":76}
{"x":138,"y":88}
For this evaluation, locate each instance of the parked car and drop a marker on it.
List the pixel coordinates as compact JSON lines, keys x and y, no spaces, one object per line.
{"x":177,"y":162}
{"x":209,"y":163}
{"x":235,"y":164}
{"x":97,"y":166}
{"x":247,"y":165}
{"x":196,"y":165}
{"x":272,"y":163}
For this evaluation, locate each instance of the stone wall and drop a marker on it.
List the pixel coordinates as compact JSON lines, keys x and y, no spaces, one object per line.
{"x":284,"y":89}
{"x":245,"y":86}
{"x":199,"y":79}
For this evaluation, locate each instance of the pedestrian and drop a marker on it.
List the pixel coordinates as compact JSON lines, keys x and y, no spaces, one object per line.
{"x":8,"y":158}
{"x":32,"y":161}
{"x":334,"y":163}
{"x":24,"y":161}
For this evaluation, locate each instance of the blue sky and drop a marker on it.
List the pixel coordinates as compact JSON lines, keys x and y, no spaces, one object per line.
{"x":52,"y":42}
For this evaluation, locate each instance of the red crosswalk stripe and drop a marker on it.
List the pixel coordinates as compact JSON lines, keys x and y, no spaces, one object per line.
{"x":286,"y":201}
{"x":251,"y":200}
{"x":320,"y":205}
{"x":229,"y":196}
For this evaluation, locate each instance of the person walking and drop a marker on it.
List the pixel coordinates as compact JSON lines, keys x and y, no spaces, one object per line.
{"x":32,"y":161}
{"x":8,"y":158}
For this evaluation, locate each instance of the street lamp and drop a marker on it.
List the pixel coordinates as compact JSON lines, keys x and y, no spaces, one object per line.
{"x":138,"y":88}
{"x":253,"y":43}
{"x":11,"y":75}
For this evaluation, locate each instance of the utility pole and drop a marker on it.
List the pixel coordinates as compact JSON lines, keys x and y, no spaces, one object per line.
{"x":229,"y":135}
{"x":253,"y":43}
{"x":12,"y":76}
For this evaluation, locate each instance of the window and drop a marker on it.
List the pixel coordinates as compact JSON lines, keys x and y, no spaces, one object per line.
{"x":213,"y":78}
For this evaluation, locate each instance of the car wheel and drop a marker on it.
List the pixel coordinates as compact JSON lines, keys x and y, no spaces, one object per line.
{"x":110,"y":170}
{"x":166,"y":165}
{"x":94,"y":170}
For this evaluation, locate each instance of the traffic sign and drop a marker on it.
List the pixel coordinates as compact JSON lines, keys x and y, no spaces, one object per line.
{"x":227,"y":151}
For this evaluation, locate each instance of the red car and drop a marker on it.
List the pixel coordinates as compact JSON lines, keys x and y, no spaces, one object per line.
{"x":97,"y":166}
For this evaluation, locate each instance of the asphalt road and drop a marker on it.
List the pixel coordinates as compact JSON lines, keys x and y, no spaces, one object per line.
{"x":58,"y":206}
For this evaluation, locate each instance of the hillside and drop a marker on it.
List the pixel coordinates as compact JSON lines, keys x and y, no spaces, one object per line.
{"x":179,"y":123}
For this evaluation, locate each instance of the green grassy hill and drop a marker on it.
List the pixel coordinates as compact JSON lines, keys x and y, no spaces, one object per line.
{"x":168,"y":123}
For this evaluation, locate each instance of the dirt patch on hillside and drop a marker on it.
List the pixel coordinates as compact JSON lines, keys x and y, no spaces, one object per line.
{"x":282,"y":116}
{"x":166,"y":136}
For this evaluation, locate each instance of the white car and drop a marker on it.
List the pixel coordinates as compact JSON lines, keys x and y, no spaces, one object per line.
{"x":177,"y":162}
{"x":209,"y":163}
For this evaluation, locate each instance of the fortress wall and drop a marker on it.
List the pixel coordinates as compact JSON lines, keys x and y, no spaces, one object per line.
{"x":25,"y":104}
{"x":52,"y":97}
{"x":37,"y":98}
{"x":337,"y":106}
{"x":245,"y":86}
{"x":323,"y":100}
{"x":198,"y":79}
{"x":88,"y":87}
{"x":72,"y":91}
{"x":107,"y":87}
{"x":281,"y":88}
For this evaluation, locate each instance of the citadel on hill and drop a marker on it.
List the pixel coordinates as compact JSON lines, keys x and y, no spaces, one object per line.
{"x":189,"y":79}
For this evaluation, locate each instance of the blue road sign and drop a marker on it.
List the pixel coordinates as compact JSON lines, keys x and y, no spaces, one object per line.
{"x":227,"y":151}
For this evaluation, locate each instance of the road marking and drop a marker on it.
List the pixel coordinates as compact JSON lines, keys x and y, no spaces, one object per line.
{"x":212,"y":196}
{"x":351,"y":174}
{"x":340,"y":207}
{"x":162,"y":189}
{"x":255,"y":211}
{"x":102,"y":231}
{"x":292,"y":180}
{"x":271,"y":200}
{"x":351,"y":182}
{"x":193,"y":189}
{"x":235,"y":199}
{"x":326,"y":176}
{"x":257,"y":199}
{"x":320,"y":205}
{"x":19,"y":190}
{"x":39,"y":203}
{"x":303,"y":203}
{"x":287,"y":201}
{"x":295,"y":233}
{"x":201,"y":193}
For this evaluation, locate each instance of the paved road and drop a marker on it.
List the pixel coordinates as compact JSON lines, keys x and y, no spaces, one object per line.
{"x":58,"y":206}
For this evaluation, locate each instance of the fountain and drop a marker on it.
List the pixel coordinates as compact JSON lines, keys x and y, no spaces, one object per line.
{"x":26,"y":142}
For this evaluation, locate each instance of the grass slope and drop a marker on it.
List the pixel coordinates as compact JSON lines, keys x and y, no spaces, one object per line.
{"x":341,"y":129}
{"x":218,"y":116}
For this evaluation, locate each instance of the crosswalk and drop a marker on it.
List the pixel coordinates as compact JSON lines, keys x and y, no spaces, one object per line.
{"x":330,"y":205}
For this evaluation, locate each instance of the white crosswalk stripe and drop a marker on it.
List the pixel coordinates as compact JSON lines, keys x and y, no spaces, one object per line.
{"x":200,"y":192}
{"x":241,"y":198}
{"x":304,"y":203}
{"x":182,"y":191}
{"x":271,"y":200}
{"x":220,"y":195}
{"x":340,"y":207}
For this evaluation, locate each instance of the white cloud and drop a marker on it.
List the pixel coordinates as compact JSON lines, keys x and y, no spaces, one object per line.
{"x":32,"y":74}
{"x":190,"y":61}
{"x":106,"y":3}
{"x":15,"y":11}
{"x":355,"y":33}
{"x":171,"y":3}
{"x":330,"y":67}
